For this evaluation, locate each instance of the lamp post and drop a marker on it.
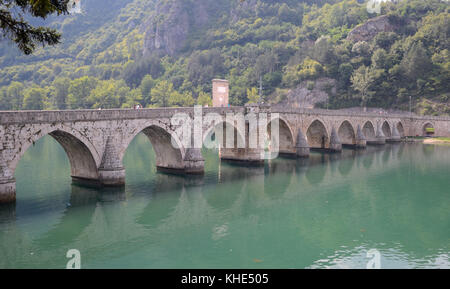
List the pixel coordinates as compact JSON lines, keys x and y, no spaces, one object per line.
{"x":410,"y":108}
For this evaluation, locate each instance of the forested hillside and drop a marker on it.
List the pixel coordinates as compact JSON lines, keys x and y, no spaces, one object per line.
{"x":118,"y":53}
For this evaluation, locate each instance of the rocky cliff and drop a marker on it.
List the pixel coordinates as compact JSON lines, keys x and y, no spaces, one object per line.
{"x":309,"y":93}
{"x":370,"y":29}
{"x":168,"y":29}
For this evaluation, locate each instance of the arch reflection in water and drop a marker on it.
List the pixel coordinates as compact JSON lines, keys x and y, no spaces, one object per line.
{"x":279,"y":174}
{"x":317,"y":168}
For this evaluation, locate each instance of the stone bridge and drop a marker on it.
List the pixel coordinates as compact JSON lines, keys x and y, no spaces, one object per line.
{"x":96,"y":140}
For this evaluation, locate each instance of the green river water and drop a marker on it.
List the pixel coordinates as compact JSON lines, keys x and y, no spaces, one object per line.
{"x":325,"y":212}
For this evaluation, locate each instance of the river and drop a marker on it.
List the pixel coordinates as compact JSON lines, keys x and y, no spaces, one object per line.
{"x":324,"y":212}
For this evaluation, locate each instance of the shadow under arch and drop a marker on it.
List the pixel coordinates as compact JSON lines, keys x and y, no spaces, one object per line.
{"x":425,"y":127}
{"x":347,"y":134}
{"x":400,"y":129}
{"x":230,"y":149}
{"x":317,"y":135}
{"x":369,"y":130}
{"x":80,"y":152}
{"x":286,"y":145}
{"x":169,"y":157}
{"x":215,"y":137}
{"x":386,"y":129}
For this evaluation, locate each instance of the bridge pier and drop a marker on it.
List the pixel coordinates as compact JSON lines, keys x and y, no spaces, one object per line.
{"x":395,"y":136}
{"x":7,"y":191}
{"x":113,"y":177}
{"x":361,"y":141}
{"x":246,"y":156}
{"x":335,"y":142}
{"x":111,"y":171}
{"x":380,"y":138}
{"x":194,"y":163}
{"x":302,"y":146}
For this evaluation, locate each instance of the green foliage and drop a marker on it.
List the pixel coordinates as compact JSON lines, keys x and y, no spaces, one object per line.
{"x":61,"y":92}
{"x":14,"y":94}
{"x":108,"y":94}
{"x":362,"y":79}
{"x":79,"y":92}
{"x":253,"y":96}
{"x":204,"y":99}
{"x":163,"y":94}
{"x":177,"y":99}
{"x":309,"y":69}
{"x":34,"y":98}
{"x":146,"y":86}
{"x":416,"y":63}
{"x":20,"y":31}
{"x":101,"y":62}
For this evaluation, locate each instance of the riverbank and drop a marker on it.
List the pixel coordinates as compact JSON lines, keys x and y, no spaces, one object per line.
{"x":437,"y":140}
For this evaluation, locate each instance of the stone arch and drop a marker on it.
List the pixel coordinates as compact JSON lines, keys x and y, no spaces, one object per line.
{"x":400,"y":129}
{"x":286,"y":144}
{"x":369,"y":130}
{"x":317,"y":135}
{"x":347,"y":133}
{"x":238,"y":134}
{"x":386,"y":129}
{"x":83,"y":157}
{"x":169,"y":150}
{"x":427,"y":125}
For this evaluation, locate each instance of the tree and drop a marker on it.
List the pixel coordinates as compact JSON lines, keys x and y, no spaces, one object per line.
{"x":253,"y":96}
{"x":134,"y":71}
{"x":133,"y":98}
{"x":105,"y":95}
{"x":79,"y":90}
{"x":205,"y":65}
{"x":34,"y":98}
{"x":204,"y":99}
{"x":14,"y":95}
{"x":345,"y":72}
{"x":361,"y":80}
{"x":26,"y":36}
{"x":162,"y":92}
{"x":380,"y":59}
{"x":4,"y":103}
{"x":416,"y":62}
{"x":61,"y":92}
{"x":289,"y":15}
{"x":146,"y":86}
{"x":183,"y":100}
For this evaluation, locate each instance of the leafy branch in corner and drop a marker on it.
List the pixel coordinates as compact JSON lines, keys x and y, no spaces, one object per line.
{"x":14,"y":27}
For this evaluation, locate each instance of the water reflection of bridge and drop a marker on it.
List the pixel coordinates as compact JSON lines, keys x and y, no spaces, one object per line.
{"x":183,"y":204}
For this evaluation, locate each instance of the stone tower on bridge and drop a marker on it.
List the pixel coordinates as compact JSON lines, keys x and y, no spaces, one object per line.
{"x":220,"y":92}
